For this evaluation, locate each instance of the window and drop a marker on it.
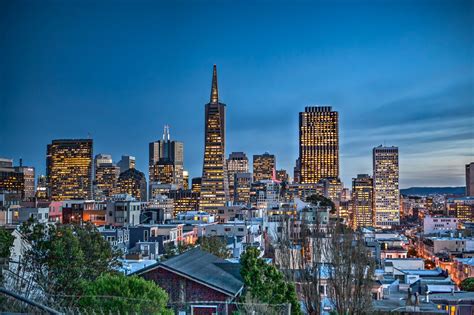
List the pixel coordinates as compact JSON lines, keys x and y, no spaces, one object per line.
{"x":145,"y":236}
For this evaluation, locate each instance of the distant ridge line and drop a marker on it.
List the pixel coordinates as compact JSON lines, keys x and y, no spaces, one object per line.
{"x":423,"y":191}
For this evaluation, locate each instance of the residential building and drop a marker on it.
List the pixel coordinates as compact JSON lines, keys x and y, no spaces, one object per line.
{"x":263,"y":166}
{"x":318,"y":144}
{"x":386,"y":190}
{"x":69,"y":169}
{"x":214,"y":185}
{"x":197,"y":282}
{"x":123,"y":210}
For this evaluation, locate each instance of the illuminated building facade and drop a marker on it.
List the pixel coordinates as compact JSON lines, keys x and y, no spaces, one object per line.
{"x":127,"y":162}
{"x":236,"y":163}
{"x":196,"y":184}
{"x":470,"y":179}
{"x":17,"y":179}
{"x":282,"y":176}
{"x":184,"y":200}
{"x":319,"y":144}
{"x":105,"y":177}
{"x":214,"y":185}
{"x":386,"y":190}
{"x":263,"y":166}
{"x":185,"y":180}
{"x":362,"y":201}
{"x":42,"y":187}
{"x":297,"y":172}
{"x":133,"y":183}
{"x":69,"y":169}
{"x":166,"y":159}
{"x":332,"y":188}
{"x":243,"y":182}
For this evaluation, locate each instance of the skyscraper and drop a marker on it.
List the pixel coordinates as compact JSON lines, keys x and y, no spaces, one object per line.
{"x":263,"y":166}
{"x":236,"y":163}
{"x":165,"y":163}
{"x":362,"y":201}
{"x":105,"y":176}
{"x":127,"y":162}
{"x":470,"y":179}
{"x":69,"y":169}
{"x":386,"y":190}
{"x":319,"y":144}
{"x":214,"y":187}
{"x":132,"y":182}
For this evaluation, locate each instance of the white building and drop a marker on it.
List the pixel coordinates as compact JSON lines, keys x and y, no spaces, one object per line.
{"x":386,"y":190}
{"x":439,"y":224}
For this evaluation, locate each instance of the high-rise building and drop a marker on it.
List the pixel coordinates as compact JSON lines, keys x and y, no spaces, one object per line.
{"x":196,"y":184}
{"x":166,"y":159}
{"x":282,"y":175}
{"x":42,"y":187}
{"x":133,"y":183}
{"x":470,"y":179}
{"x":297,"y":171}
{"x":319,"y":144}
{"x":17,"y":179}
{"x":69,"y":169}
{"x":127,"y":162}
{"x":263,"y":166}
{"x":185,"y":180}
{"x":386,"y":190}
{"x":105,"y":177}
{"x":362,"y":201}
{"x":214,"y":186}
{"x":241,"y":192}
{"x":236,"y":163}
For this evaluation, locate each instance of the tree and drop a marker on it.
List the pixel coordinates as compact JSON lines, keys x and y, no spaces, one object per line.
{"x":322,"y":201}
{"x":6,"y":244}
{"x":59,"y":257}
{"x":119,"y":294}
{"x":215,"y":245}
{"x":265,"y":283}
{"x":467,"y":284}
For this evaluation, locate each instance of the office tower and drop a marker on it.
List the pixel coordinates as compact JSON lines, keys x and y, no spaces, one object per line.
{"x":297,"y":172}
{"x":263,"y":166}
{"x":184,"y":200}
{"x":196,"y":184}
{"x":127,"y":162}
{"x":69,"y":169}
{"x":319,"y":144}
{"x":386,"y":191}
{"x":241,"y":192}
{"x":332,"y":188}
{"x":214,"y":186}
{"x":42,"y":187}
{"x":29,"y":180}
{"x":132,"y":182}
{"x":105,"y":177}
{"x":236,"y":163}
{"x":11,"y":179}
{"x":185,"y":180}
{"x":362,"y":201}
{"x":166,"y":159}
{"x":470,"y":179}
{"x":282,"y":176}
{"x":17,"y":179}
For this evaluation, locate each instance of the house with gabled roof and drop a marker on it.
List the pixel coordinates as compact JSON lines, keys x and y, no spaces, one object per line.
{"x":197,"y":282}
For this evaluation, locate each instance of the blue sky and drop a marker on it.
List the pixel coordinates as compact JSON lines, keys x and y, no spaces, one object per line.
{"x":398,"y":72}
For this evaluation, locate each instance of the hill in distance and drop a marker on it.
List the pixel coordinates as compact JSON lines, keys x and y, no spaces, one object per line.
{"x":425,"y":191}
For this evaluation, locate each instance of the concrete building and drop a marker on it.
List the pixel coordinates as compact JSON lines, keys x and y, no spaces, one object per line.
{"x":263,"y":166}
{"x":126,"y":162}
{"x":132,"y":182}
{"x":69,"y":169}
{"x":242,"y":186}
{"x":123,"y":210}
{"x":439,"y":224}
{"x":105,"y":176}
{"x":236,"y":163}
{"x":318,"y":144}
{"x":386,"y":186}
{"x":470,"y":179}
{"x":362,"y":201}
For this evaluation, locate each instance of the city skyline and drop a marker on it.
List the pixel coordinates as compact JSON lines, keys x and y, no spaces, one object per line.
{"x":427,"y":112}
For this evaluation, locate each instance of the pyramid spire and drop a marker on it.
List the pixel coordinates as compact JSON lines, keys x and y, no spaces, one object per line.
{"x":214,"y":92}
